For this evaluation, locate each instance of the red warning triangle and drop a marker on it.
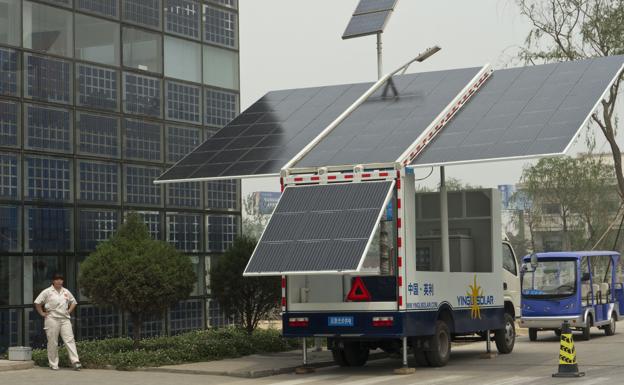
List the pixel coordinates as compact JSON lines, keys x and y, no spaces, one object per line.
{"x":358,"y":292}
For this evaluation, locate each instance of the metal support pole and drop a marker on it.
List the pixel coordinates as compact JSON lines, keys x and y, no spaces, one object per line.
{"x":488,"y":342}
{"x":304,"y":349}
{"x":444,"y":229}
{"x":405,"y":352}
{"x":379,"y":57}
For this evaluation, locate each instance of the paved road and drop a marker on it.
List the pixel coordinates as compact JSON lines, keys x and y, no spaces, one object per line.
{"x":602,"y":359}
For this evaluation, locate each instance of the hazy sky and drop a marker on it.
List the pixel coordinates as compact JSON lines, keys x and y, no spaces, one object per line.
{"x":297,"y":43}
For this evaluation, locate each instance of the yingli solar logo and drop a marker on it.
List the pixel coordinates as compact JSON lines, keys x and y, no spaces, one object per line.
{"x":475,"y":299}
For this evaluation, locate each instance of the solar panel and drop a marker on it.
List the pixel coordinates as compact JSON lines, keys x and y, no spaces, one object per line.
{"x":320,"y":229}
{"x":267,"y":135}
{"x":524,"y":112}
{"x":366,"y":24}
{"x":382,"y":129}
{"x":368,"y":6}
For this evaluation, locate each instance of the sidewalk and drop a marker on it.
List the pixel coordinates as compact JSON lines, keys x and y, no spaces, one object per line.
{"x":6,"y":365}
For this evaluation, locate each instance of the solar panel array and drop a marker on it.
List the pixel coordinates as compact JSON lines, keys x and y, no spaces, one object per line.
{"x":523,"y":112}
{"x":382,"y":129}
{"x":370,"y":17}
{"x":268,"y":134}
{"x":320,"y":228}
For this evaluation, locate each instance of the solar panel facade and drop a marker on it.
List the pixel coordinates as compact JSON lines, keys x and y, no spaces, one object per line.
{"x":368,"y":6}
{"x":268,"y":134}
{"x":382,"y":129}
{"x":366,"y":24}
{"x":524,"y":112}
{"x":322,"y":228}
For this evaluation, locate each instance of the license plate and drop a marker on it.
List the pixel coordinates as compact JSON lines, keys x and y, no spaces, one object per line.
{"x":340,"y":321}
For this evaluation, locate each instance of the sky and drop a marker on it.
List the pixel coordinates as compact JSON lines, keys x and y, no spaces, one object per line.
{"x":297,"y":43}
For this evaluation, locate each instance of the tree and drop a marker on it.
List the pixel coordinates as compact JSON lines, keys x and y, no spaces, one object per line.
{"x":579,"y":191}
{"x":136,"y":274}
{"x":576,"y":29}
{"x":250,"y":299}
{"x":254,"y":222}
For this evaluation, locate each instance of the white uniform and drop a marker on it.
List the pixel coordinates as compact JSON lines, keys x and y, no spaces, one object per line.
{"x":56,"y":304}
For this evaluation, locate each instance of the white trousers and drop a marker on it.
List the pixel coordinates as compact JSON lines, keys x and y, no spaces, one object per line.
{"x":53,"y":328}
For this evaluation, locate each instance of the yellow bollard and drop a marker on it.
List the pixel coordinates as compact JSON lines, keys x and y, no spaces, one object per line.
{"x":567,"y":354}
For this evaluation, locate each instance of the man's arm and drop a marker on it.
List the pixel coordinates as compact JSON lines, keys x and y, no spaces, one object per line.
{"x":40,"y":310}
{"x":72,"y":307}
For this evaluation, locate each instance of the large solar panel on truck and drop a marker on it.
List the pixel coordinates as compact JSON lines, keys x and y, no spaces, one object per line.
{"x":261,"y":140}
{"x":382,"y":129}
{"x":524,"y":112}
{"x":320,"y":229}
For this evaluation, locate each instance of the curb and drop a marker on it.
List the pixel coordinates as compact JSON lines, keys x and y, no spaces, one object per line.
{"x":6,"y":365}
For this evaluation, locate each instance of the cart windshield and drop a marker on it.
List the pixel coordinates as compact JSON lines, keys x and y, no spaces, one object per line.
{"x":550,"y":279}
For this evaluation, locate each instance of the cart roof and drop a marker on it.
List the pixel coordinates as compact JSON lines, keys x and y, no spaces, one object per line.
{"x":571,"y":254}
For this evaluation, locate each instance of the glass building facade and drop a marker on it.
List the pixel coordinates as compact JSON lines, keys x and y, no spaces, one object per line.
{"x":98,"y":98}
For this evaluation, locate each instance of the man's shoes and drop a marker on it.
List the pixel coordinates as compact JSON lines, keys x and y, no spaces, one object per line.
{"x":77,"y":366}
{"x":54,"y":368}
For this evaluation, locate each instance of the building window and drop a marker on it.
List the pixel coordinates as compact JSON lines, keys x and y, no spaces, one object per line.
{"x":183,"y":59}
{"x":220,"y":67}
{"x":143,"y":140}
{"x":8,"y":176}
{"x":180,"y":141}
{"x":48,"y":129}
{"x":48,"y":178}
{"x":48,"y":79}
{"x":186,"y":316}
{"x":140,"y":188}
{"x":221,"y":230}
{"x":220,"y":26}
{"x":152,"y":221}
{"x":48,"y":29}
{"x":8,"y":73}
{"x":184,"y":231}
{"x":142,"y":95}
{"x":65,"y":3}
{"x":97,"y":40}
{"x":221,"y":107}
{"x":98,"y":135}
{"x":98,"y":182}
{"x":142,"y":50}
{"x":96,"y":226}
{"x":48,"y":229}
{"x":97,"y":87}
{"x":182,"y":17}
{"x":222,"y":195}
{"x":183,"y":102}
{"x":186,"y":194}
{"x":10,"y":28}
{"x":226,"y":3}
{"x":9,"y":122}
{"x":97,"y":322}
{"x":145,"y":12}
{"x":103,"y":7}
{"x":9,"y":228}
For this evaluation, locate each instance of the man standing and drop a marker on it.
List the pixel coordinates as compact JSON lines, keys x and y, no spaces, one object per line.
{"x":55,"y":304}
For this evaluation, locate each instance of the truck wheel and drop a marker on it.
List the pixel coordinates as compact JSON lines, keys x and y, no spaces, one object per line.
{"x":610,"y":328}
{"x":339,"y":358}
{"x":506,"y":337}
{"x":532,"y":334}
{"x":587,"y":329}
{"x":420,"y":357}
{"x":440,"y":345}
{"x":355,"y":354}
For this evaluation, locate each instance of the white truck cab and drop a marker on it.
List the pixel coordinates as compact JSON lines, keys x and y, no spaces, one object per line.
{"x":511,"y":279}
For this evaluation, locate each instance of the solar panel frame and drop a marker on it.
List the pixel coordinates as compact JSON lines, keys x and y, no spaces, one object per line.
{"x":311,"y":227}
{"x":550,"y":122}
{"x":368,"y":6}
{"x":366,"y":24}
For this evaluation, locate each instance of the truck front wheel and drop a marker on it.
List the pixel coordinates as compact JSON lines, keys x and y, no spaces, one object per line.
{"x":440,"y":345}
{"x":506,"y":337}
{"x":532,"y":334}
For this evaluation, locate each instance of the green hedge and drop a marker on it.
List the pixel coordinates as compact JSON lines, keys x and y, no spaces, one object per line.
{"x":203,"y":345}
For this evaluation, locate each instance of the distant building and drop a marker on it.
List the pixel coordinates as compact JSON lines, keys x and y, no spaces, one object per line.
{"x":264,"y":202}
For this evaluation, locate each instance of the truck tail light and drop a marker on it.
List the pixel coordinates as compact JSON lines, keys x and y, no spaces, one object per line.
{"x":381,"y":322}
{"x":301,"y":322}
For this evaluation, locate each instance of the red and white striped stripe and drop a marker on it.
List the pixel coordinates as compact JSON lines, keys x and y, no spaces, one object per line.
{"x":399,"y":245}
{"x":338,"y":177}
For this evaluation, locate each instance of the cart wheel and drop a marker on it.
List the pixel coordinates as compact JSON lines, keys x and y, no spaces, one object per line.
{"x":505,"y":338}
{"x":610,"y":328}
{"x":339,"y":358}
{"x":440,"y":344}
{"x":532,"y":334}
{"x":355,"y":354}
{"x":587,"y":329}
{"x":557,"y":332}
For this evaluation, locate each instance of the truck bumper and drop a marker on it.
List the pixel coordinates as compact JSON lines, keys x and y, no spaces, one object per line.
{"x":553,"y":322}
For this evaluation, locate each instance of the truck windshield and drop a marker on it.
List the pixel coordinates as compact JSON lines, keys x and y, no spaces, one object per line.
{"x":550,"y":279}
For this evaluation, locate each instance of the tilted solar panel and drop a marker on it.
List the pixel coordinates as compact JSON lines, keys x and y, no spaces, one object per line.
{"x":368,"y":6}
{"x":366,"y":24}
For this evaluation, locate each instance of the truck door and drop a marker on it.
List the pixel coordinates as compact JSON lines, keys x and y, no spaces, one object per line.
{"x":511,"y":279}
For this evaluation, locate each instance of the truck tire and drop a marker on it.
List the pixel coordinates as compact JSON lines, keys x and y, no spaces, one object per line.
{"x":532,"y":334}
{"x":505,"y":338}
{"x":610,"y":328}
{"x":586,"y":336}
{"x":420,"y":357}
{"x":339,"y":358}
{"x":440,"y":345}
{"x":355,"y":354}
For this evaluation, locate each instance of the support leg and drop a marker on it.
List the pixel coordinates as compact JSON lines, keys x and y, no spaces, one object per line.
{"x":305,"y":368}
{"x":488,"y":347}
{"x":405,"y":369}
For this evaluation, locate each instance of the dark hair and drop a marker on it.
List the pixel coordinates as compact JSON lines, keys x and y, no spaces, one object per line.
{"x":57,"y":276}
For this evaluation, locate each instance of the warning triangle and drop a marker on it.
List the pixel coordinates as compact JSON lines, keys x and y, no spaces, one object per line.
{"x":358,"y":292}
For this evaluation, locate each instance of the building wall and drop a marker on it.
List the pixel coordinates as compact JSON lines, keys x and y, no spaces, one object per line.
{"x":97,"y":98}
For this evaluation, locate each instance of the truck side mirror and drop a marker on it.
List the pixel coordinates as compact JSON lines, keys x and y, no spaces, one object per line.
{"x":585,"y":277}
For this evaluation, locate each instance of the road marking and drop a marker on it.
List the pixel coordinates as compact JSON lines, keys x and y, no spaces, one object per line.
{"x":599,"y":380}
{"x":306,"y":380}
